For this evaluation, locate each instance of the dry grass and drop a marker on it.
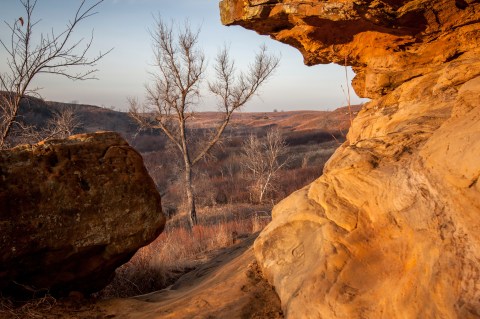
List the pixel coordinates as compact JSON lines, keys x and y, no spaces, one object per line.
{"x":35,"y":308}
{"x":178,"y":250}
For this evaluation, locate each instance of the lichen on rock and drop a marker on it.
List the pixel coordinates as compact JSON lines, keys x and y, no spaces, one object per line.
{"x":71,"y":211}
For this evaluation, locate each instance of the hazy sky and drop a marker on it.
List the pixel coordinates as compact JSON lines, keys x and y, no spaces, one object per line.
{"x":123,"y":25}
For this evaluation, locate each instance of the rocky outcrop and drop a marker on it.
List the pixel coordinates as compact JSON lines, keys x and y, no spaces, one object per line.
{"x":71,"y":211}
{"x":391,"y":229}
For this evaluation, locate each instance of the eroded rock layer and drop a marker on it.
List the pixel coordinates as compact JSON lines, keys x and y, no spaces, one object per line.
{"x":71,"y":211}
{"x":392,"y":228}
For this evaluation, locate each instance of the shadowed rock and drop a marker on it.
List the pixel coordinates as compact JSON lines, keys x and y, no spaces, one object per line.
{"x":71,"y":211}
{"x":391,"y":229}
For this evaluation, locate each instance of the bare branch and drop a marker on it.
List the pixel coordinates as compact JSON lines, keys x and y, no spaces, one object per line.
{"x":53,"y":53}
{"x":234,"y":92}
{"x":63,"y":124}
{"x":264,"y":159}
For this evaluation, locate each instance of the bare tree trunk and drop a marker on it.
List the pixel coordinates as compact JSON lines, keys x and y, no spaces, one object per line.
{"x":190,"y":197}
{"x":264,"y":187}
{"x":8,"y":111}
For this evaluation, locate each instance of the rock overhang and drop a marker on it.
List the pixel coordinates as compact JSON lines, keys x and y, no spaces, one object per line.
{"x":385,"y":42}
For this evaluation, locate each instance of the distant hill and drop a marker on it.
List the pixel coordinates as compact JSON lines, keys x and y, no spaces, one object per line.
{"x":36,"y":112}
{"x":297,"y":125}
{"x":329,"y":121}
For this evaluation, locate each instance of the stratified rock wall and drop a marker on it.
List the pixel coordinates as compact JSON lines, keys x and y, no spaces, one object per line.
{"x":392,"y":228}
{"x":71,"y":211}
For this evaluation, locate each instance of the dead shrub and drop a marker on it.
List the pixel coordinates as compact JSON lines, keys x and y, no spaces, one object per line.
{"x":178,"y":250}
{"x":34,"y":308}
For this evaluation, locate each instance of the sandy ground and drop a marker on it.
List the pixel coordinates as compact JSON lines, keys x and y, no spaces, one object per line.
{"x":228,"y":286}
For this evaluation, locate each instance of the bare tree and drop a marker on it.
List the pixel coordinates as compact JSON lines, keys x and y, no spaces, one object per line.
{"x":264,"y":159}
{"x":172,"y":97}
{"x":28,"y":56}
{"x":62,"y":124}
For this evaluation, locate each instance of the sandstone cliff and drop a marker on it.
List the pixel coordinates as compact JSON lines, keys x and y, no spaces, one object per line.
{"x":391,"y":229}
{"x":71,"y":211}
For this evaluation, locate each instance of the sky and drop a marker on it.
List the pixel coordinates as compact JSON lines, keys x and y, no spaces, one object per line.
{"x":124,"y":26}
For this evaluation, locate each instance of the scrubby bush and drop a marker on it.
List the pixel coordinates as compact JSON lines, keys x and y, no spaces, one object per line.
{"x":178,"y":249}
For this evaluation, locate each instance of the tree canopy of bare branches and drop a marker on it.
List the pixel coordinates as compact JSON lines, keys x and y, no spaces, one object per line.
{"x":30,"y":54}
{"x":174,"y":93}
{"x":264,"y":159}
{"x":62,"y":124}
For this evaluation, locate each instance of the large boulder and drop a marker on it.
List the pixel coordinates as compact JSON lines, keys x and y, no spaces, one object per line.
{"x":392,"y":228}
{"x":71,"y":212}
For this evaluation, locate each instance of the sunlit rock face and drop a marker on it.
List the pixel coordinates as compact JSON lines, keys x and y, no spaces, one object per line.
{"x":71,"y":211}
{"x":392,"y":227}
{"x":387,"y":42}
